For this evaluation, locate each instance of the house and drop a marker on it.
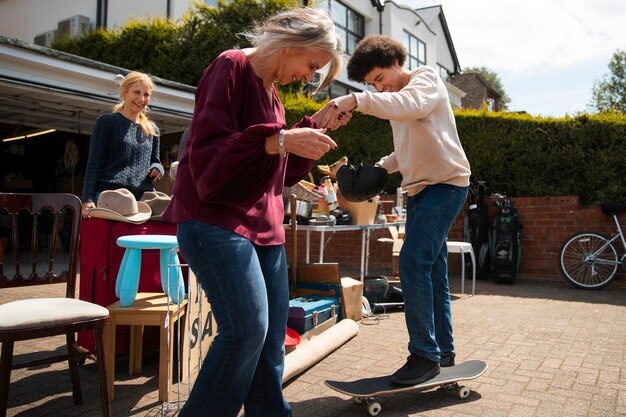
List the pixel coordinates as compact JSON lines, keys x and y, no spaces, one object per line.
{"x":479,"y":94}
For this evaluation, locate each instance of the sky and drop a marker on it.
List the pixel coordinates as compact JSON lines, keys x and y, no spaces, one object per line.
{"x":547,"y":53}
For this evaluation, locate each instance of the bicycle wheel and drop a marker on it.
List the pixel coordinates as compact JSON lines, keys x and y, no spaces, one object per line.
{"x":586,"y":262}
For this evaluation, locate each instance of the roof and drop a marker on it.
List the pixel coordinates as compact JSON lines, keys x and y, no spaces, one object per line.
{"x":429,"y":15}
{"x":45,"y":88}
{"x":471,"y":77}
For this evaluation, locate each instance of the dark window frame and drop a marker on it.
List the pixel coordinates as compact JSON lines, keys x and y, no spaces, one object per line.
{"x":409,"y":40}
{"x":343,"y":29}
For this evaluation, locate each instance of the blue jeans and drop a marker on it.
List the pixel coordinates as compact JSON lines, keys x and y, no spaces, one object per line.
{"x":423,"y":268}
{"x":248,"y":288}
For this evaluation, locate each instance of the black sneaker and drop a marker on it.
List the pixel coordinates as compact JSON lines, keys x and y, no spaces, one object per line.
{"x":415,"y":371}
{"x":448,"y":362}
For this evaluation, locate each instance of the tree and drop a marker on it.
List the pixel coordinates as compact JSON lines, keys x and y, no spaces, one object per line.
{"x":609,"y":94}
{"x":177,"y":51}
{"x":493,"y":80}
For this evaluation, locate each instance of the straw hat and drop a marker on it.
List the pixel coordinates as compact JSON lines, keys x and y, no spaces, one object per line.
{"x":120,"y":205}
{"x":157,"y":201}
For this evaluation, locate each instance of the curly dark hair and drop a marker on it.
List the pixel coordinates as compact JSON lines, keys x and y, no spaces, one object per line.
{"x":375,"y":51}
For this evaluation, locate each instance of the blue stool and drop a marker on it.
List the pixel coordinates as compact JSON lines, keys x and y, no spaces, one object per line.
{"x":128,"y":276}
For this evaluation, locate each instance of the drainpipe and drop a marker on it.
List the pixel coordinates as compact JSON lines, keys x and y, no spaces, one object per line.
{"x":102,"y":7}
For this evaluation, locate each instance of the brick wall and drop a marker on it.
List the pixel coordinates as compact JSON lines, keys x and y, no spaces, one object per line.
{"x":547,"y":222}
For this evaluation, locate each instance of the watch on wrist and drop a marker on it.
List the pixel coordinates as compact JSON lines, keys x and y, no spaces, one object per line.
{"x":281,"y":143}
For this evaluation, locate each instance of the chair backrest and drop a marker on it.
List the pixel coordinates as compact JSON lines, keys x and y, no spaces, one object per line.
{"x":42,"y":233}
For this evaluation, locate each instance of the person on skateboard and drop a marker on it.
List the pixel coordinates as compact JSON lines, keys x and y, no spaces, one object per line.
{"x":435,"y":175}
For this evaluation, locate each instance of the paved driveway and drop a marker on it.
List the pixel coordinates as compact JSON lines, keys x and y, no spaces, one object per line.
{"x":552,"y":351}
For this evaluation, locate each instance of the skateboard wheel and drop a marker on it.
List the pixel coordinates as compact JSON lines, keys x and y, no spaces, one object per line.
{"x":374,"y":409}
{"x":358,"y":400}
{"x":463,"y":392}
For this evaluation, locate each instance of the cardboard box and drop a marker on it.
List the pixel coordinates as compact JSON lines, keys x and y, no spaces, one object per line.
{"x":351,"y":298}
{"x":362,"y":212}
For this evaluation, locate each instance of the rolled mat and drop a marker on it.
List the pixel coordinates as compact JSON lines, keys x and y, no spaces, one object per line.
{"x":309,"y":352}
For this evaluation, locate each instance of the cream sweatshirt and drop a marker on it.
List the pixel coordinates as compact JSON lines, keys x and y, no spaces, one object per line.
{"x":427,"y":149}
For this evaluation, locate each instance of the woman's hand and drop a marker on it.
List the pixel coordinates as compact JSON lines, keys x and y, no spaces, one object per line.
{"x":305,"y":142}
{"x":155,"y":174}
{"x":324,"y":120}
{"x":89,"y":205}
{"x":336,"y":110}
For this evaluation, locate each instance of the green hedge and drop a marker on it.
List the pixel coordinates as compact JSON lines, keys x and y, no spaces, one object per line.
{"x":517,"y":154}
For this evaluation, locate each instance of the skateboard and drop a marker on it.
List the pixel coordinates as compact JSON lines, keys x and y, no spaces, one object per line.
{"x":365,"y":390}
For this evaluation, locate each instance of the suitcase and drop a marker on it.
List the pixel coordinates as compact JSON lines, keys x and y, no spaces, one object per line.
{"x":100,"y":259}
{"x":307,"y":312}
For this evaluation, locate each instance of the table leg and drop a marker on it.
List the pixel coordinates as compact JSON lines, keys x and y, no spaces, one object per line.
{"x":362,"y":271}
{"x":308,"y":246}
{"x":109,"y":355}
{"x":367,"y":250}
{"x":322,"y":246}
{"x":135,"y":355}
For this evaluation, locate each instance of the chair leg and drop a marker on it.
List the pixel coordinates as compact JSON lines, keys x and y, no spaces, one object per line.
{"x":462,"y":272}
{"x":6,"y":361}
{"x":473,"y":271}
{"x":102,"y":373}
{"x":73,"y":366}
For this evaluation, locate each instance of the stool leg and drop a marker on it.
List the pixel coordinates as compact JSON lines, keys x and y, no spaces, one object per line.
{"x":174,"y":286}
{"x":177,"y":276}
{"x":130,"y":277}
{"x":163,"y":261}
{"x":118,"y":281}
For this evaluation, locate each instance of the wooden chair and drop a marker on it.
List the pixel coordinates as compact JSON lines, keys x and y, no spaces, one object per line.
{"x":33,"y":217}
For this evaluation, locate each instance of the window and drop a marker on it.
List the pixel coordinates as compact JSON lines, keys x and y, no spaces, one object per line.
{"x":338,"y":89}
{"x":416,"y":51}
{"x":443,"y":73}
{"x":350,"y":26}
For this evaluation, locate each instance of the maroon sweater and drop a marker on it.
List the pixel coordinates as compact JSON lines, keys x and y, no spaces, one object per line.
{"x":225,"y":177}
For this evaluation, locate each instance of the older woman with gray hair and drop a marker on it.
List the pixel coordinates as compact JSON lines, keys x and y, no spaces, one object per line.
{"x":227,"y":201}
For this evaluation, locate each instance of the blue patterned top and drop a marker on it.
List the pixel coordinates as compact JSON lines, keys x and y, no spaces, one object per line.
{"x":120,"y":156}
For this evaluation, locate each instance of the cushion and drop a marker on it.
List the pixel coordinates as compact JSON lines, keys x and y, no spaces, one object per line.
{"x":42,"y":312}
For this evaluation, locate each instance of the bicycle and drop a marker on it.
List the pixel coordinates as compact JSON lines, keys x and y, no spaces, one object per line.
{"x":588,"y":260}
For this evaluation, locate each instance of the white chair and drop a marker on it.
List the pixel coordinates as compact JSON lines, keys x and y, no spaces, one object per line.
{"x":463,"y":248}
{"x":453,"y":247}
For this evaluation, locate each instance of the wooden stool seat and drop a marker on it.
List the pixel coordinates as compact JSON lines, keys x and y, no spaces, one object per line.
{"x":149,"y":309}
